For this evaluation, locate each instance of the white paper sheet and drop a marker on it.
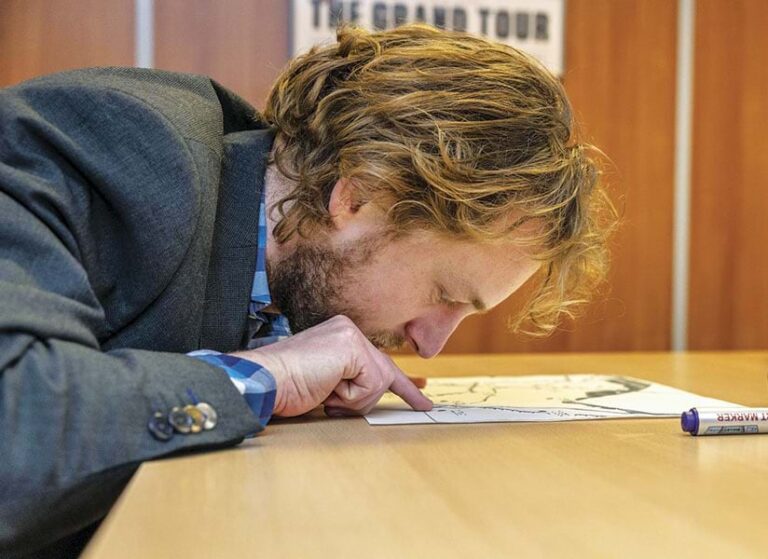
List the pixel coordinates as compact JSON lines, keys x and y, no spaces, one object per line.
{"x":540,"y":398}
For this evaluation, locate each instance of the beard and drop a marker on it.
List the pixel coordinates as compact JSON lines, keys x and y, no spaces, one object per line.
{"x":308,"y":285}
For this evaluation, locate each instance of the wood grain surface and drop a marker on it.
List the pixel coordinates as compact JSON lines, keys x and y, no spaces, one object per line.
{"x":240,"y":43}
{"x":316,"y":487}
{"x":729,"y":263}
{"x":42,"y":36}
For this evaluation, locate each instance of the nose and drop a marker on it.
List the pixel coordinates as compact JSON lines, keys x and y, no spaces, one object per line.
{"x":430,"y":333}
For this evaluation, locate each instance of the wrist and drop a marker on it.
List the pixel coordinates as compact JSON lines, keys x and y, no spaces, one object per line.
{"x":274,"y":366}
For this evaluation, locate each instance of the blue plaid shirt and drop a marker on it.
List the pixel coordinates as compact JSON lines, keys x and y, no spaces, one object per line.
{"x":255,"y":382}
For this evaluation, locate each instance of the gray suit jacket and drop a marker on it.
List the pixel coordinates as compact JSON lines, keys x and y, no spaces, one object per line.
{"x":128,"y":234}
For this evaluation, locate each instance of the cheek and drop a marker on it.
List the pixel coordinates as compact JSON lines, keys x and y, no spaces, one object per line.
{"x":388,"y":299}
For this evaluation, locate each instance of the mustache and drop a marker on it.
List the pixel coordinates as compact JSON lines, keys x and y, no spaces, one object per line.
{"x":386,"y":340}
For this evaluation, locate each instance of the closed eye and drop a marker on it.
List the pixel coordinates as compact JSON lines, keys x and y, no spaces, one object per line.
{"x":445,"y":300}
{"x":449,"y":303}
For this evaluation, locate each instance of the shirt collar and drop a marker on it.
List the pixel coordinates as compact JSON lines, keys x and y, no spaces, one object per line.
{"x":260,"y":296}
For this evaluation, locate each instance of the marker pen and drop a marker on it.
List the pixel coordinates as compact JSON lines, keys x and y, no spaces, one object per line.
{"x":719,"y":421}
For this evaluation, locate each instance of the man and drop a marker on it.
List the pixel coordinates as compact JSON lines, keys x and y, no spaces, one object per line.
{"x":160,"y":241}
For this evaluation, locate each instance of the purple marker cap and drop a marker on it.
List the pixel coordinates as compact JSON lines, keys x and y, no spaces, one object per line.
{"x":689,"y":421}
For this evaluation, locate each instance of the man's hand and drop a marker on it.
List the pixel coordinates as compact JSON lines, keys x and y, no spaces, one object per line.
{"x":332,"y":363}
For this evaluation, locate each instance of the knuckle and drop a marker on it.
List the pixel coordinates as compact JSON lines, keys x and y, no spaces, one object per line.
{"x":341,"y":320}
{"x":346,"y":329}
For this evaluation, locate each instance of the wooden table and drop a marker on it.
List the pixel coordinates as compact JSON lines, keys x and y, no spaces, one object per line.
{"x":316,"y":487}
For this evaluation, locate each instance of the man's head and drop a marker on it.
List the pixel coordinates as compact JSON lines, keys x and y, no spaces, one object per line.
{"x":430,"y":172}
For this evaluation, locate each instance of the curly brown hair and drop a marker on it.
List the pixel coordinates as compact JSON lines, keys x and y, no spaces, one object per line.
{"x":448,"y":133}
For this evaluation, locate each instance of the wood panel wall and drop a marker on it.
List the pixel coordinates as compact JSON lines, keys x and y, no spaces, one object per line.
{"x":242,"y":44}
{"x":729,"y":238}
{"x":42,"y":36}
{"x":620,"y":75}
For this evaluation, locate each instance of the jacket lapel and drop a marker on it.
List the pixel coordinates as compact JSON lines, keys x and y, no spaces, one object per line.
{"x":235,"y":239}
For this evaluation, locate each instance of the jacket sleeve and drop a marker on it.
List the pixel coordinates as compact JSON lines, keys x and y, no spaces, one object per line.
{"x":73,"y":417}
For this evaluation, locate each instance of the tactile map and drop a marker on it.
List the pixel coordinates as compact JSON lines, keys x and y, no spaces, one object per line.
{"x":541,"y":398}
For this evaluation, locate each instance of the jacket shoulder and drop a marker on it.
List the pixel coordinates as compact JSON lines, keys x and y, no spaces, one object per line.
{"x":188,"y":101}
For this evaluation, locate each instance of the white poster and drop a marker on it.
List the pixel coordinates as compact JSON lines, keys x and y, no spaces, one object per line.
{"x":535,"y":26}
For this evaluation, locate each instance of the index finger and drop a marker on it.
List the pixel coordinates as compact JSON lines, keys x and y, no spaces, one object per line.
{"x":403,"y":387}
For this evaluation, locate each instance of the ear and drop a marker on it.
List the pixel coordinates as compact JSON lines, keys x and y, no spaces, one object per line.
{"x":343,"y":204}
